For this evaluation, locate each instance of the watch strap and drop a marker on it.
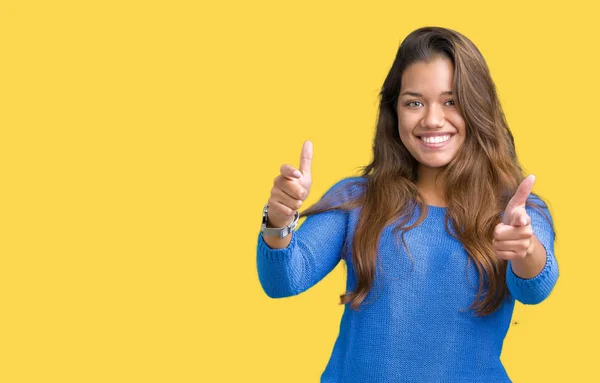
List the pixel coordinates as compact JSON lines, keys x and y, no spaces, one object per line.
{"x":280,"y":232}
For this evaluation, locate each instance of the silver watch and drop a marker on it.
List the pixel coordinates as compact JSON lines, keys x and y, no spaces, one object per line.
{"x":277,"y":231}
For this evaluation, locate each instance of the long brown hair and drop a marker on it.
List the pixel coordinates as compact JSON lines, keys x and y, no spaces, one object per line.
{"x":479,"y":181}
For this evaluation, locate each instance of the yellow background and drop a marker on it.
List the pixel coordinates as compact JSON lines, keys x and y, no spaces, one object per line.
{"x":139,"y":142}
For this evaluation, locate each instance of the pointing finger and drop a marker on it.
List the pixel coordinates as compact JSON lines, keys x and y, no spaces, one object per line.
{"x":522,"y":193}
{"x":517,"y":202}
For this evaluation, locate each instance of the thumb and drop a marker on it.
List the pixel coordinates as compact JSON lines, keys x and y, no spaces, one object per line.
{"x":520,"y":218}
{"x":306,"y":157}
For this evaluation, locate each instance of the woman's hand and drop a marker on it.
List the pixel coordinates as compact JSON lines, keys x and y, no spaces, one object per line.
{"x":290,"y":189}
{"x":513,"y":238}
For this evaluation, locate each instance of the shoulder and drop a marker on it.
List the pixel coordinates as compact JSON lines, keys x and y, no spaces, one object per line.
{"x":346,"y":188}
{"x":347,"y":182}
{"x":539,"y":212}
{"x":537,"y":204}
{"x":535,"y":199}
{"x":351,"y":184}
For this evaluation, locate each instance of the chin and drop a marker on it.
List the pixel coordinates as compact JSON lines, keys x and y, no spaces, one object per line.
{"x":434,"y":164}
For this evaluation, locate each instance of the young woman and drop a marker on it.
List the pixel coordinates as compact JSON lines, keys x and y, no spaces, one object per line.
{"x":440,"y":233}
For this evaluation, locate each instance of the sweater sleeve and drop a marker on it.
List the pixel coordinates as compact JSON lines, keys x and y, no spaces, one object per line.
{"x":535,"y":290}
{"x":313,"y":252}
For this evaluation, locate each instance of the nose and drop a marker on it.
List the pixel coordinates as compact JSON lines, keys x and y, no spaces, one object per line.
{"x":434,"y":117}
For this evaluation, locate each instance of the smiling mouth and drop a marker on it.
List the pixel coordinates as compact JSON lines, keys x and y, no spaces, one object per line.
{"x":432,"y":140}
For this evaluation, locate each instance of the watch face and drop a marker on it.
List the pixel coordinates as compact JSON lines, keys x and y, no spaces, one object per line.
{"x":264,"y":216}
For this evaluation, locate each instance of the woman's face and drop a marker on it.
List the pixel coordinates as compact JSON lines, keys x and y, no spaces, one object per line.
{"x":429,"y":122}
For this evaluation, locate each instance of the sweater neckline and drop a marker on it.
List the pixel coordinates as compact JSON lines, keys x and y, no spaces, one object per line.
{"x":437,"y":207}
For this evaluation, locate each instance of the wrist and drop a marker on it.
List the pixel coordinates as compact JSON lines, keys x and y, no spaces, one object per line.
{"x":278,"y":223}
{"x":532,"y":248}
{"x":278,"y":231}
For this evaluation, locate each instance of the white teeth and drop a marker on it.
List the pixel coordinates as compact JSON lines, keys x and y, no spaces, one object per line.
{"x":436,"y":139}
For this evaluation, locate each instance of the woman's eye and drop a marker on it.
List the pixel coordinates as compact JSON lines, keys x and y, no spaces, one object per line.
{"x":452,"y":103}
{"x":413,"y":104}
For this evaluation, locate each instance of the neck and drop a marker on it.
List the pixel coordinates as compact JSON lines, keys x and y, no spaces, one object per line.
{"x":431,"y":189}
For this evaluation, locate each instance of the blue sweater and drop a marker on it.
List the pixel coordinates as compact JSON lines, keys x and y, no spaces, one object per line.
{"x":415,"y":326}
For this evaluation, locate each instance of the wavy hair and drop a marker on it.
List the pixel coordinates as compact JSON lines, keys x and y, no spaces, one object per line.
{"x":479,"y":180}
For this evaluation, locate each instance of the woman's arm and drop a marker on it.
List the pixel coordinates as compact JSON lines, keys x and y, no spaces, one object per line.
{"x":314,"y":250}
{"x":531,"y":279}
{"x":533,"y":263}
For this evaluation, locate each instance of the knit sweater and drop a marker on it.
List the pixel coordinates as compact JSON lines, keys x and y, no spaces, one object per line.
{"x":414,"y":325}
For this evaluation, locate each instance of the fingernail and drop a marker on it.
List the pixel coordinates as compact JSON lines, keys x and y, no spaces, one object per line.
{"x":297,"y":174}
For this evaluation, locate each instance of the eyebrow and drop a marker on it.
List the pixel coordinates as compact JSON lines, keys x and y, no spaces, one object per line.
{"x":415,"y":94}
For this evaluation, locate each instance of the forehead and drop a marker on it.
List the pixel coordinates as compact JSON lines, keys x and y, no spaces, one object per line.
{"x":432,"y":75}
